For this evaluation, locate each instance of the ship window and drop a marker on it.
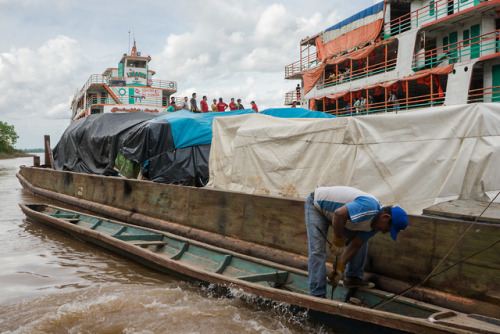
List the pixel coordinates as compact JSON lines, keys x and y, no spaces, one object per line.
{"x":466,"y":37}
{"x":431,"y":8}
{"x":136,"y":63}
{"x":445,"y":43}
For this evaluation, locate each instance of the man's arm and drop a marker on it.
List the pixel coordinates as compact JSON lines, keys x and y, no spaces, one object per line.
{"x":340,"y":217}
{"x":352,"y":249}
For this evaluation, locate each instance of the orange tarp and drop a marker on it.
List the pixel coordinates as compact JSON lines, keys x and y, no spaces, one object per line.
{"x":436,"y":70}
{"x":421,"y":74}
{"x":364,"y":34}
{"x":358,"y":54}
{"x":312,"y":76}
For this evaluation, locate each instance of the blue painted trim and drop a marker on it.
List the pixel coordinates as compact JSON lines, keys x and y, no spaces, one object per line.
{"x":367,"y":12}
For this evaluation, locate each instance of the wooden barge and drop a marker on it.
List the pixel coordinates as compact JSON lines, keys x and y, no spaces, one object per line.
{"x":273,"y":229}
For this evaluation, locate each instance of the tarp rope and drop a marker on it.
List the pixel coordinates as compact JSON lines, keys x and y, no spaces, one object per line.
{"x":432,"y":273}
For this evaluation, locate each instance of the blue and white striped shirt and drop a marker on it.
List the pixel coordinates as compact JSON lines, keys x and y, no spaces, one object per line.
{"x":362,"y":207}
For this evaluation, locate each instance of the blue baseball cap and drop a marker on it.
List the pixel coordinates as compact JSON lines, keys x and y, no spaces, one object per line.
{"x":399,"y":221}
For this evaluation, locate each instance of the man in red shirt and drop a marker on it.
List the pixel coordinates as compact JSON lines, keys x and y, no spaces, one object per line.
{"x":254,"y":106}
{"x":232,"y":105}
{"x":204,"y":104}
{"x":221,"y":106}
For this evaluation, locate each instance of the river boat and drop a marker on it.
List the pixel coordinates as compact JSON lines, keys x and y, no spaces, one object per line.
{"x":401,"y":55}
{"x":273,"y":229}
{"x":128,"y":88}
{"x":349,"y":310}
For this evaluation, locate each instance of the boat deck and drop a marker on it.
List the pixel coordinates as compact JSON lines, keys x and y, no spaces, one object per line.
{"x":466,"y":210}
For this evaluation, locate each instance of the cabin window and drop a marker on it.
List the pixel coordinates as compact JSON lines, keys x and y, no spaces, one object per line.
{"x":466,"y":37}
{"x":136,"y":63}
{"x":450,"y":7}
{"x":431,"y":8}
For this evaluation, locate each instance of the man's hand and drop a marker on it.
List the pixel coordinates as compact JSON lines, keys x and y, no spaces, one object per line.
{"x":335,"y":276}
{"x":337,"y":245}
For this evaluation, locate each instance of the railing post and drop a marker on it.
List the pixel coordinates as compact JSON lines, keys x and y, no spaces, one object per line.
{"x":385,"y":92}
{"x":407,"y":94}
{"x":432,"y":89}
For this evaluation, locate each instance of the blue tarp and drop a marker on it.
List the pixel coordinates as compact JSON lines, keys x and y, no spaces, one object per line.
{"x":192,"y":129}
{"x":295,"y":113}
{"x":364,"y":13}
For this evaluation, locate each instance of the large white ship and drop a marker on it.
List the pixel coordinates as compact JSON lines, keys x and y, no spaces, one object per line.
{"x":401,"y":54}
{"x":128,"y":88}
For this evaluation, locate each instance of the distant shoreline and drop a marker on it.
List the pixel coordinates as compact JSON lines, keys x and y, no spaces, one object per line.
{"x":14,"y":155}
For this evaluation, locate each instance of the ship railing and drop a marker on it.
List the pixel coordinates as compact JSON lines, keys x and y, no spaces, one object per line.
{"x":488,"y":94}
{"x":94,"y":78}
{"x":419,"y":17}
{"x":163,"y":84}
{"x":362,"y":72}
{"x":467,"y":49}
{"x":292,"y":96}
{"x":431,"y":12}
{"x":96,"y":100}
{"x":304,"y":64}
{"x":409,"y":102}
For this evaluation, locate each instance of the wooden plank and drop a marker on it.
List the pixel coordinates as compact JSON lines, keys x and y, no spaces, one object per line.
{"x":224,"y":264}
{"x":49,"y":159}
{"x":179,"y":254}
{"x":278,"y":277}
{"x":466,"y":209}
{"x":149,"y":243}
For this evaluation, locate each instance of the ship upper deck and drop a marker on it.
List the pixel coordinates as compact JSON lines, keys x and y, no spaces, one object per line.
{"x":397,"y":19}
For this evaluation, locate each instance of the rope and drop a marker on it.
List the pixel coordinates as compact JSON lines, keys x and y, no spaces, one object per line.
{"x":431,"y":274}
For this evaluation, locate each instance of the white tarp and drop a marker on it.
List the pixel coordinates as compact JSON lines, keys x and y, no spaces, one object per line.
{"x":413,"y":159}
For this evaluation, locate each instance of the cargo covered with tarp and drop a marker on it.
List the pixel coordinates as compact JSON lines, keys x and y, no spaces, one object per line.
{"x":175,"y":147}
{"x":90,"y":144}
{"x":413,"y":159}
{"x":295,"y":113}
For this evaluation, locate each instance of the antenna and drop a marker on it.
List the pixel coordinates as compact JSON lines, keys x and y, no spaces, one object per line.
{"x":128,"y":50}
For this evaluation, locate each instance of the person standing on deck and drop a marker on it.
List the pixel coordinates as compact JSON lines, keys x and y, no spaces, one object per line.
{"x":355,"y":216}
{"x":221,"y":106}
{"x":204,"y":104}
{"x":233,"y":106}
{"x":254,"y":106}
{"x":185,"y":104}
{"x":194,"y":106}
{"x":214,"y":106}
{"x":240,"y":106}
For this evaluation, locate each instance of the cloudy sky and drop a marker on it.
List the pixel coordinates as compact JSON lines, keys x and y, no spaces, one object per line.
{"x":218,"y":48}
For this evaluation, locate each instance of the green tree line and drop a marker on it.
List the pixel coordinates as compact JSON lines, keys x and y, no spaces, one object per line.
{"x":8,"y":138}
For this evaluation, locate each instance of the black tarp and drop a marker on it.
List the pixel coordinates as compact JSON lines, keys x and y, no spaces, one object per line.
{"x":90,"y":144}
{"x":152,"y":145}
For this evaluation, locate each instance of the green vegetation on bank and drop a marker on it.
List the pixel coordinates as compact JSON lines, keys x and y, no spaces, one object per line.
{"x":8,"y":138}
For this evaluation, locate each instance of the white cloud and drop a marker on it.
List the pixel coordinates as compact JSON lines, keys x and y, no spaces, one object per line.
{"x":218,"y":48}
{"x":36,"y":80}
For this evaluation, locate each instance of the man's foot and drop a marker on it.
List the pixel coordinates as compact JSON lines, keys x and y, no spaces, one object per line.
{"x":356,"y":282}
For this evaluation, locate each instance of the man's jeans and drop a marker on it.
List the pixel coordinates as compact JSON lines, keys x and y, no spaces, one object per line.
{"x":316,"y":222}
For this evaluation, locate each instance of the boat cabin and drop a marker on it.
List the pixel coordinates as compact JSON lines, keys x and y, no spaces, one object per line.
{"x":401,"y":54}
{"x":128,"y":88}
